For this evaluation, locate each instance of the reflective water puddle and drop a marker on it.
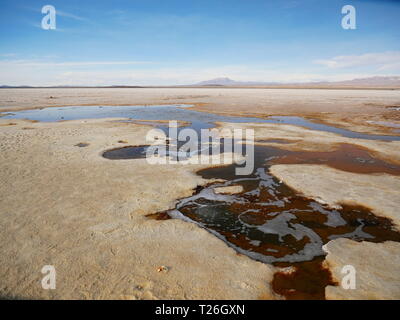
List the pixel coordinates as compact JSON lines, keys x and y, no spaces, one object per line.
{"x":198,"y":120}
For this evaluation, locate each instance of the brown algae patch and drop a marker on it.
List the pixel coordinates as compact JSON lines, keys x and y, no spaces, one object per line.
{"x":303,"y":280}
{"x":163,"y":215}
{"x":284,"y":229}
{"x":270,"y":222}
{"x":347,"y":157}
{"x":280,"y":141}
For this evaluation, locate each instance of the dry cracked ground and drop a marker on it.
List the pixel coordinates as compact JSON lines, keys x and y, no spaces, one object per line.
{"x":67,"y":206}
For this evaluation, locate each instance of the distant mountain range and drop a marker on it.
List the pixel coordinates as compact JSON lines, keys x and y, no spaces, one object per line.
{"x":393,"y":81}
{"x":69,"y":86}
{"x":371,"y":82}
{"x":5,"y":87}
{"x":230,"y":82}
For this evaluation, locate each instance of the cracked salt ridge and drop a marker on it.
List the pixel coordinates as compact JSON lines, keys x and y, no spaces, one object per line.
{"x":199,"y":120}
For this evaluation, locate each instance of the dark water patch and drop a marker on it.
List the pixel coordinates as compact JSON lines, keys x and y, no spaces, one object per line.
{"x":124,"y":153}
{"x":169,"y":149}
{"x":6,"y":114}
{"x":82,"y":145}
{"x":198,"y":189}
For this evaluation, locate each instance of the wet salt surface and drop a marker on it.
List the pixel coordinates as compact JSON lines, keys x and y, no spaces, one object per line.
{"x":199,"y":120}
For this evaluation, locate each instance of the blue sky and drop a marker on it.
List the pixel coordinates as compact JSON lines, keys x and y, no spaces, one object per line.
{"x":149,"y":42}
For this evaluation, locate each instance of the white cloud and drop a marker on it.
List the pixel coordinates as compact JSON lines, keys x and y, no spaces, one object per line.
{"x":389,"y":60}
{"x":60,"y":13}
{"x":96,"y":73}
{"x":70,"y":15}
